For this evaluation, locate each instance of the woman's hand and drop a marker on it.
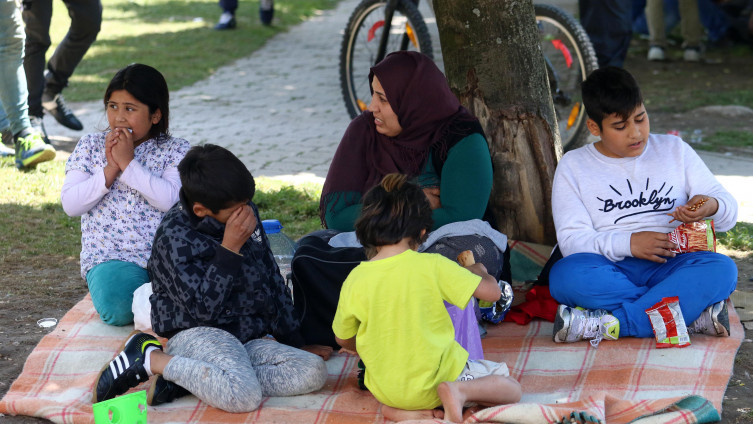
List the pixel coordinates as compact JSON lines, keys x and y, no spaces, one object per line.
{"x":122,"y":150}
{"x":238,"y":228}
{"x":697,"y":208}
{"x":432,"y":194}
{"x":652,"y":246}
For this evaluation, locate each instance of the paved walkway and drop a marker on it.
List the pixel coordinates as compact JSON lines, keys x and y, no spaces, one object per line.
{"x":281,"y":109}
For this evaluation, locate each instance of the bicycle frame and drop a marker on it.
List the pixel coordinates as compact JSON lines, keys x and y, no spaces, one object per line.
{"x":389,"y":12}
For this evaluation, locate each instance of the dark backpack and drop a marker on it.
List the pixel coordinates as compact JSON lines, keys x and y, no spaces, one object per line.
{"x":318,"y":273}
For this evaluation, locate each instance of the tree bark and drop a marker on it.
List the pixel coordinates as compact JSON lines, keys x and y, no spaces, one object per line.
{"x":493,"y":62}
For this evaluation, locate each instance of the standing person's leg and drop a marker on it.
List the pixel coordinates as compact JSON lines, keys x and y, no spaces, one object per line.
{"x":213,"y":365}
{"x":283,"y":370}
{"x":609,"y":25}
{"x":657,"y":32}
{"x":86,"y":20}
{"x":37,"y":19}
{"x":692,"y":30}
{"x":111,"y":285}
{"x":30,"y":149}
{"x":227,"y":19}
{"x":13,"y":91}
{"x":699,"y":279}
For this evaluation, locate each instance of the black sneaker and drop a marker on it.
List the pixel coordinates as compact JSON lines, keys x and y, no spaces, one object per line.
{"x":56,"y":106}
{"x":126,"y":370}
{"x":37,"y":124}
{"x":163,"y":391}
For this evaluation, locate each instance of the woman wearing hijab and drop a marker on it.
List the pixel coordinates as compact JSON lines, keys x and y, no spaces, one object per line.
{"x":416,"y":126}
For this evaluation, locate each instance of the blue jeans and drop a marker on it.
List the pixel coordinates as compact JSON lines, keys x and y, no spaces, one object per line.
{"x":609,"y":25}
{"x":111,"y":285}
{"x":629,"y":287}
{"x":13,"y":92}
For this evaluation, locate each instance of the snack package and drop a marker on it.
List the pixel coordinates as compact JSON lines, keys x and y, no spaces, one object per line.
{"x":694,"y":237}
{"x":495,"y":312}
{"x":668,"y":323}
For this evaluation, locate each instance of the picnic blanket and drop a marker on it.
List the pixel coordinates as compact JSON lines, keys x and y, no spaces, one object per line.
{"x":628,"y":380}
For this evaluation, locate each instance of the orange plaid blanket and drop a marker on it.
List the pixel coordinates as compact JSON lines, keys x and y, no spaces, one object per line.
{"x":618,"y":382}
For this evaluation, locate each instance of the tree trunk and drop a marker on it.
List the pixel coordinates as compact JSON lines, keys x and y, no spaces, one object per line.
{"x":493,"y":62}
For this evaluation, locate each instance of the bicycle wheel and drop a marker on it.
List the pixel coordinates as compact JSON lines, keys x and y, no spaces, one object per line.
{"x":361,"y":41}
{"x":569,"y":58}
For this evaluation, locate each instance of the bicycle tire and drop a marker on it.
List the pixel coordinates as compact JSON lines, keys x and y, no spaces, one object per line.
{"x":570,"y":58}
{"x":358,"y":49}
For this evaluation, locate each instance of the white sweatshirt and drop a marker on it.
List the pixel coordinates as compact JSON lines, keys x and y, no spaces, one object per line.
{"x":598,"y":201}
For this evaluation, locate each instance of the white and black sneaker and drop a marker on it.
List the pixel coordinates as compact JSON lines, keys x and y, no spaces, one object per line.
{"x":127,"y":369}
{"x":713,"y":321}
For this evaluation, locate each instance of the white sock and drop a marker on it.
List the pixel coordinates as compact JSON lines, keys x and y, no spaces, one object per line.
{"x":148,"y":359}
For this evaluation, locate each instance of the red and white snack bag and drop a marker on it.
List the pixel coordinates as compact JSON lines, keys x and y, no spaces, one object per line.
{"x":668,"y":323}
{"x":694,"y":237}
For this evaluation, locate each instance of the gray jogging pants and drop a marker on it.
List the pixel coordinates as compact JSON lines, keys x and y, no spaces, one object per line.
{"x":226,"y":374}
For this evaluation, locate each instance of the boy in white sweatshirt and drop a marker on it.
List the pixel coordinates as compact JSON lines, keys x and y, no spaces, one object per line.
{"x":614,"y":201}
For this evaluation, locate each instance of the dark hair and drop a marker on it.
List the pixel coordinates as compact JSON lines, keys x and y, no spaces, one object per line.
{"x":610,"y":90}
{"x":391,"y":211}
{"x":215,"y":177}
{"x":149,"y":87}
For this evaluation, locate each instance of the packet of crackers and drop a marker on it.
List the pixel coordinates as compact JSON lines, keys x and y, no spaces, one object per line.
{"x":668,"y":323}
{"x":694,"y":237}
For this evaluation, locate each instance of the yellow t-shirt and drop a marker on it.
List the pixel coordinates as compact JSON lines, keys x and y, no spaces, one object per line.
{"x":404,"y":335}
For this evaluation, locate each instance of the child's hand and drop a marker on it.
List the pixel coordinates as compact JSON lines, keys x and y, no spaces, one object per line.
{"x":697,"y":208}
{"x":348,"y":351}
{"x":110,"y":141}
{"x":238,"y":228}
{"x":324,"y":351}
{"x":651,"y":246}
{"x":432,"y":194}
{"x":122,"y":149}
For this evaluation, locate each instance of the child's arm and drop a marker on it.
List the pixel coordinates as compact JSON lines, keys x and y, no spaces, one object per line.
{"x":161,"y":191}
{"x":349,"y":345}
{"x":487,"y":289}
{"x":652,"y":246}
{"x":576,"y":232}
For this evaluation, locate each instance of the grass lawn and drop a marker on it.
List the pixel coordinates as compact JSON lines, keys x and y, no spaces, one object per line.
{"x":176,"y":37}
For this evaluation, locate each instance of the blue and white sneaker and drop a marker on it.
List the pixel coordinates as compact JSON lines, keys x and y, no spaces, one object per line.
{"x":127,"y":369}
{"x":576,"y":324}
{"x":713,"y":321}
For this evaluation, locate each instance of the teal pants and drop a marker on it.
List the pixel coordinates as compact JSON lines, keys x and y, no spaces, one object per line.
{"x":111,"y":285}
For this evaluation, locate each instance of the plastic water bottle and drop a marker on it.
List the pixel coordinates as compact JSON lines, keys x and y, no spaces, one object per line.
{"x":697,"y":136}
{"x":281,"y":245}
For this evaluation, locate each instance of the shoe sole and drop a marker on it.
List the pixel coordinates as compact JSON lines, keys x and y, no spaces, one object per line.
{"x":722,"y":319}
{"x":107,"y":365}
{"x":37,"y":158}
{"x":559,"y":323}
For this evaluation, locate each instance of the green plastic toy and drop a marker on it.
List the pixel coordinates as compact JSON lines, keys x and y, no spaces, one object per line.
{"x":128,"y":409}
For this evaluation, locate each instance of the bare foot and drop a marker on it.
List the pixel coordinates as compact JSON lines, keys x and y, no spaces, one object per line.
{"x":452,"y":400}
{"x":472,"y":410}
{"x":394,"y":414}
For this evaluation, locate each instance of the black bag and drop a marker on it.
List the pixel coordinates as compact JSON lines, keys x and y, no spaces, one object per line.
{"x":318,"y":273}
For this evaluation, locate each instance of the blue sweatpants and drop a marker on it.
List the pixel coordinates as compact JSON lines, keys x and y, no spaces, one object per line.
{"x":629,"y":287}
